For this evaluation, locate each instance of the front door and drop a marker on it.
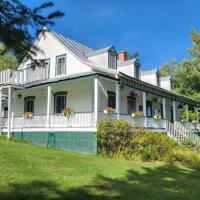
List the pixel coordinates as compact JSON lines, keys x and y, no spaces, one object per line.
{"x":131,"y":107}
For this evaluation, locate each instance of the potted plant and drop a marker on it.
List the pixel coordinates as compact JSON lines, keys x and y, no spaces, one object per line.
{"x":137,"y":114}
{"x":157,"y":117}
{"x":68,"y":111}
{"x":27,"y":115}
{"x":183,"y":120}
{"x":109,"y":110}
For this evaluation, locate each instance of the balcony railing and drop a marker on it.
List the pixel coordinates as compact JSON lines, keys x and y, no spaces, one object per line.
{"x":27,"y":75}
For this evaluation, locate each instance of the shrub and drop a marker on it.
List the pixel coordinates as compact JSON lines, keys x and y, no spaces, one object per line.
{"x":185,"y":156}
{"x":118,"y":137}
{"x":114,"y":136}
{"x":152,"y":146}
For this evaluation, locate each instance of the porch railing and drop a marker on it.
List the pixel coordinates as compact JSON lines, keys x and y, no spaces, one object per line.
{"x":20,"y":77}
{"x":138,"y":122}
{"x":56,"y":120}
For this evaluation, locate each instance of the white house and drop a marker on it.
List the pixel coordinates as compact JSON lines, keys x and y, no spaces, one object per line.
{"x":68,"y":74}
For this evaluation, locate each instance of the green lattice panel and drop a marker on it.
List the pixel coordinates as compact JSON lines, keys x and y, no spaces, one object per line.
{"x":84,"y":142}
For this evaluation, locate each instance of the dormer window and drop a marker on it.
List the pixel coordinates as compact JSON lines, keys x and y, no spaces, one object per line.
{"x":137,"y":71}
{"x":112,"y":60}
{"x":158,"y":79}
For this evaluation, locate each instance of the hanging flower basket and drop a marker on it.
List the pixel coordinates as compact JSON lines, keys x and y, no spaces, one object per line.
{"x":27,"y":115}
{"x":109,"y":110}
{"x":135,"y":94}
{"x":155,"y":99}
{"x":68,"y":111}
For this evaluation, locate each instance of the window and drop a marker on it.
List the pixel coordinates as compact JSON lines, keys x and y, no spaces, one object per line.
{"x":131,"y":105}
{"x":158,"y":79}
{"x":111,"y":100}
{"x":61,"y":65}
{"x":29,"y":104}
{"x":112,"y":60}
{"x":59,"y":101}
{"x":137,"y":71}
{"x":149,"y":109}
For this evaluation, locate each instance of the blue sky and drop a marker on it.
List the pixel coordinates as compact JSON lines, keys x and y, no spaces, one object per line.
{"x":158,"y":30}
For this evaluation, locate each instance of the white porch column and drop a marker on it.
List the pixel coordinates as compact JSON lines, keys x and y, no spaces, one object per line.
{"x":9,"y":110}
{"x":48,"y":105}
{"x":164,"y":107}
{"x":186,"y":110}
{"x":174,"y":110}
{"x":117,"y":90}
{"x":1,"y":110}
{"x":96,"y":99}
{"x":145,"y":108}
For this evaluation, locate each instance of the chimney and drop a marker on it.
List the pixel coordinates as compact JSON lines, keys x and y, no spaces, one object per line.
{"x":122,"y":56}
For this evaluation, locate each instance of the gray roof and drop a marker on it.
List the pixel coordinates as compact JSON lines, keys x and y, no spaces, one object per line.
{"x":78,"y":49}
{"x":147,"y":72}
{"x":99,"y":51}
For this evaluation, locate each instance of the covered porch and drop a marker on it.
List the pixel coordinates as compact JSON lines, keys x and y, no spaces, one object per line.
{"x":89,"y":97}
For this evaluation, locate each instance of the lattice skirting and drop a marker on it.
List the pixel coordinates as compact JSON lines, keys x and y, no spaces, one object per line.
{"x":84,"y":142}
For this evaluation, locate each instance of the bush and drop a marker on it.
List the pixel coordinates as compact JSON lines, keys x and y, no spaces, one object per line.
{"x":118,"y":137}
{"x":113,"y":136}
{"x":185,"y":156}
{"x":152,"y":146}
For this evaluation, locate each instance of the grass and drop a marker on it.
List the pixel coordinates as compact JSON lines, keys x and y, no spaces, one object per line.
{"x":30,"y":172}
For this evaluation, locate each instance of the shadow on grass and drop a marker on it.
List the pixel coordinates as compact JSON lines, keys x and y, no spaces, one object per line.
{"x":161,"y":183}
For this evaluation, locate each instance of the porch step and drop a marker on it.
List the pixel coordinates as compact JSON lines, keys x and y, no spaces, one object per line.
{"x":181,"y":134}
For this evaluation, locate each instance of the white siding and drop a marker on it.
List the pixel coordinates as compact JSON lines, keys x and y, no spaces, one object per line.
{"x":166,"y":84}
{"x":52,"y":48}
{"x":150,"y":78}
{"x":100,"y":59}
{"x":78,"y":97}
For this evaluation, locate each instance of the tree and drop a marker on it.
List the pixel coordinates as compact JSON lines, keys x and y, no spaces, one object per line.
{"x":19,"y":25}
{"x":195,"y":50}
{"x":7,"y":60}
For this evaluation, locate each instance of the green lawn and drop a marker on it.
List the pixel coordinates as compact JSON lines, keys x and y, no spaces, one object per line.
{"x":30,"y":172}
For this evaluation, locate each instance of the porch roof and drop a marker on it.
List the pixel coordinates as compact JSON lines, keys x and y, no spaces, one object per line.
{"x":140,"y":85}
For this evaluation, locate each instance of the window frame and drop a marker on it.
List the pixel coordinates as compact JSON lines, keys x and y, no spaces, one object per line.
{"x":65,"y":65}
{"x":56,"y":94}
{"x":111,"y":95}
{"x":26,"y":99}
{"x":114,"y":54}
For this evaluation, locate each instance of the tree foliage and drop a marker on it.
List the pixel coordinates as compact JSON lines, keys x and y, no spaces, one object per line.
{"x":195,"y":50}
{"x":7,"y":60}
{"x":19,"y":25}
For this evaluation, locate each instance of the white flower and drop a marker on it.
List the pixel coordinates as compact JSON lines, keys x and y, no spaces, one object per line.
{"x":105,"y":111}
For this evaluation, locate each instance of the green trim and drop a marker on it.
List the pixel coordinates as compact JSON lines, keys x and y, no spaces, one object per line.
{"x":126,"y":80}
{"x":60,"y":93}
{"x":29,"y":97}
{"x":60,"y":56}
{"x":111,"y":93}
{"x":74,"y":78}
